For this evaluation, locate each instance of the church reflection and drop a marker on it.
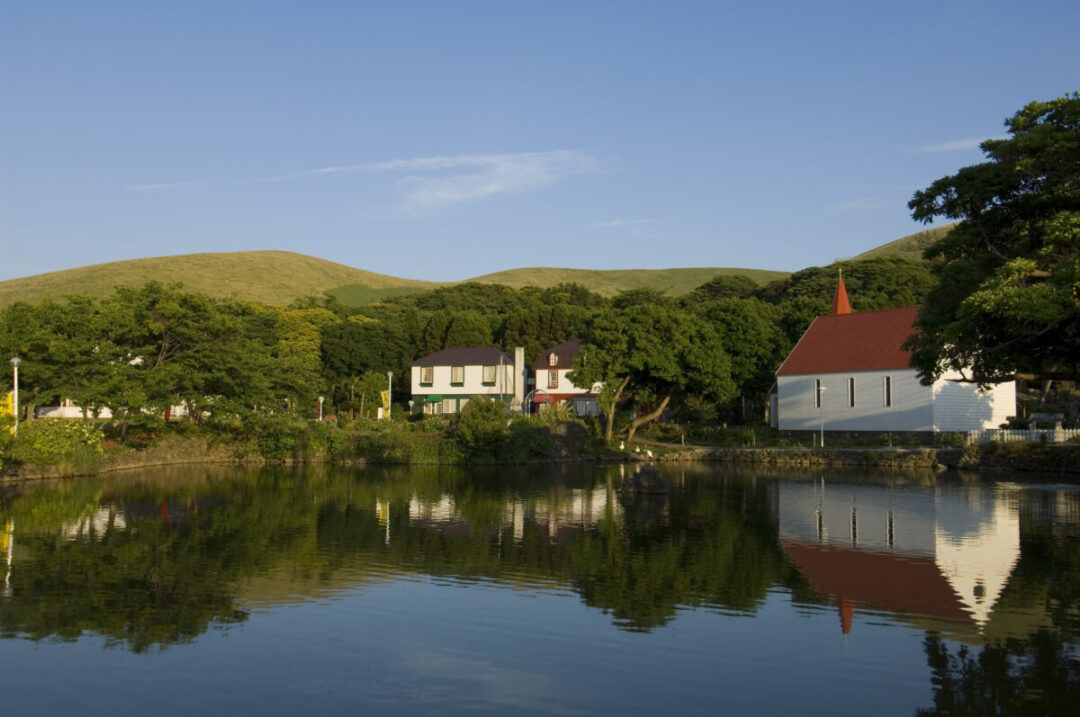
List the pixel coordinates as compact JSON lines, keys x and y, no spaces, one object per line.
{"x":944,"y":552}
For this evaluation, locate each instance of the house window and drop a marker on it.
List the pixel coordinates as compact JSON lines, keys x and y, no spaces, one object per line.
{"x":457,"y":375}
{"x":851,"y":392}
{"x":553,"y":378}
{"x":489,"y":376}
{"x":553,"y":359}
{"x":888,"y":390}
{"x":817,"y":393}
{"x":427,"y":375}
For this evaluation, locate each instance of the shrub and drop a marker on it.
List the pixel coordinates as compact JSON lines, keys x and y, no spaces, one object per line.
{"x":554,"y":413}
{"x":276,"y":436}
{"x":481,"y":427}
{"x":57,"y":441}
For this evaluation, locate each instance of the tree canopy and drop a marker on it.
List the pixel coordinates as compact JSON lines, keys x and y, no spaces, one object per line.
{"x":1007,"y":300}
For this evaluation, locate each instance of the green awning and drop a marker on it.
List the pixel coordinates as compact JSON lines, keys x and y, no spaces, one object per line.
{"x":433,"y":399}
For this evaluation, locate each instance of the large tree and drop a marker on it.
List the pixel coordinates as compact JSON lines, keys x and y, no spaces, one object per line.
{"x":652,"y":355}
{"x":1007,"y":301}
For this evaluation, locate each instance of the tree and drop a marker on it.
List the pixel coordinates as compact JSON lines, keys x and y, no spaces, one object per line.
{"x":1007,"y":300}
{"x":722,"y":286}
{"x":751,"y":334}
{"x":652,"y":355}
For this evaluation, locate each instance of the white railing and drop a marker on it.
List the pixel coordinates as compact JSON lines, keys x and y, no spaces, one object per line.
{"x":1037,"y":435}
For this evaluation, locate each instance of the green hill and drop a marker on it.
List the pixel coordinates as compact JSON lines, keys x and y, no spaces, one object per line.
{"x":271,"y":277}
{"x":909,"y":247}
{"x":610,"y":282}
{"x":279,"y":277}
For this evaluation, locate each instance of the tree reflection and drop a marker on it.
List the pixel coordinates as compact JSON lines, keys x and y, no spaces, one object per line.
{"x":1036,"y":676}
{"x":157,"y":562}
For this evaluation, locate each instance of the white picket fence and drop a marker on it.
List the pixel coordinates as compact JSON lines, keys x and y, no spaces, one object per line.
{"x":1037,"y":435}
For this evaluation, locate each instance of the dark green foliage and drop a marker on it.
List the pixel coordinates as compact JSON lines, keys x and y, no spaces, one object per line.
{"x":872,"y":284}
{"x":482,"y":427}
{"x":642,"y":297}
{"x":54,"y":441}
{"x":143,"y":349}
{"x":485,"y":298}
{"x":1008,"y":297}
{"x":725,"y":286}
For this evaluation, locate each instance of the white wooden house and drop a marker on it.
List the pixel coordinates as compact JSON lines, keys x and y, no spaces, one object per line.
{"x":443,"y":382}
{"x":552,"y":385}
{"x":850,"y":372}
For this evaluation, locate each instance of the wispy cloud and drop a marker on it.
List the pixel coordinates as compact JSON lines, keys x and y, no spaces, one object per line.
{"x":955,"y":145}
{"x":435,"y":182}
{"x":167,"y":186}
{"x":617,"y":223}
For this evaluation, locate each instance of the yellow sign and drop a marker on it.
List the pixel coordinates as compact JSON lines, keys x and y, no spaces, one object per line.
{"x":7,"y":408}
{"x":385,"y":396}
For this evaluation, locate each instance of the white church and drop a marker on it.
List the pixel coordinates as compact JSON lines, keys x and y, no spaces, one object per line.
{"x":850,"y":372}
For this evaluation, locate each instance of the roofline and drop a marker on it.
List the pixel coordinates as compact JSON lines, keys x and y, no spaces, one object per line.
{"x":804,"y":333}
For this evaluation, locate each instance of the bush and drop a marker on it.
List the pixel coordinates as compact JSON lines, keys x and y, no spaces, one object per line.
{"x":58,"y":441}
{"x":481,"y":427}
{"x":554,"y":413}
{"x":276,"y":436}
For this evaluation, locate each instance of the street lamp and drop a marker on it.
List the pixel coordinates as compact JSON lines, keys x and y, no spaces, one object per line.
{"x":15,"y":361}
{"x":821,"y":405}
{"x":389,"y":389}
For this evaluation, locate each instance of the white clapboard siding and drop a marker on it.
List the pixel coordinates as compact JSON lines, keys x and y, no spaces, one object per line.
{"x":911,"y":408}
{"x":473,"y":385}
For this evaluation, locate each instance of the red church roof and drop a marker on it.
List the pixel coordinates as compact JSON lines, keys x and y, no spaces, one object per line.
{"x":911,"y":584}
{"x":870,"y":341}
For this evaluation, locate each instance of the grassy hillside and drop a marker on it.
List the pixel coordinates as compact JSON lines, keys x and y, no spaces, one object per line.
{"x":608,"y":283}
{"x":909,"y":247}
{"x":271,"y":277}
{"x":279,"y":277}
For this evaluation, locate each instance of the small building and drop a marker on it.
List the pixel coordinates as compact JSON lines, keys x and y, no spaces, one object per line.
{"x":443,"y":382}
{"x":851,"y":372}
{"x":552,"y":385}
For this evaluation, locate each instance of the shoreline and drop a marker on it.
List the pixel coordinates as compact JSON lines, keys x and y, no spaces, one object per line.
{"x":1023,"y":458}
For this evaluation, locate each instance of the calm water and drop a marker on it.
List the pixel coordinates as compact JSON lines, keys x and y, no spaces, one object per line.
{"x":215,"y":591}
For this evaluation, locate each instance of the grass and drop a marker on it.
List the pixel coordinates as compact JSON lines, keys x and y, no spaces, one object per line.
{"x":909,"y":247}
{"x":280,"y":277}
{"x":675,"y":282}
{"x":270,"y":277}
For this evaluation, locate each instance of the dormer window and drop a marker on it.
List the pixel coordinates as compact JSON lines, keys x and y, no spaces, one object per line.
{"x":553,"y":359}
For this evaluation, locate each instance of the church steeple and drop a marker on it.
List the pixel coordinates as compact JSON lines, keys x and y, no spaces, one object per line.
{"x":840,"y":303}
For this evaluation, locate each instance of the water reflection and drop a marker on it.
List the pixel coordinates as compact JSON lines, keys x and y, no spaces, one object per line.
{"x":941,"y":551}
{"x":987,"y":573}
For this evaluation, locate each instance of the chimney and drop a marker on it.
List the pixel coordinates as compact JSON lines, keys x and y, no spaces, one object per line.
{"x":517,"y":404}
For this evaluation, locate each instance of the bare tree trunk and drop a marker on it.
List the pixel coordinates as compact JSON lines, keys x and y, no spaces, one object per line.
{"x":642,"y":420}
{"x":1047,"y":385}
{"x":352,"y":399}
{"x":611,"y":409}
{"x":362,"y":394}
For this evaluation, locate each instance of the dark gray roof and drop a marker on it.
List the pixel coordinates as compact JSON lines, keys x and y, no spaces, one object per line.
{"x":472,"y":356}
{"x":567,"y":351}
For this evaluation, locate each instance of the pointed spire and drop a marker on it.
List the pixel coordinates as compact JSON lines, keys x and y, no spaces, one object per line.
{"x":840,"y":303}
{"x":847,"y":614}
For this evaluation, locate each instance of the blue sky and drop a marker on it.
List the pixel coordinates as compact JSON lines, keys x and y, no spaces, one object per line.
{"x":450,"y":139}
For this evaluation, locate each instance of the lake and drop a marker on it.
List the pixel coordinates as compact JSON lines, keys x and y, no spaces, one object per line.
{"x":216,"y":590}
